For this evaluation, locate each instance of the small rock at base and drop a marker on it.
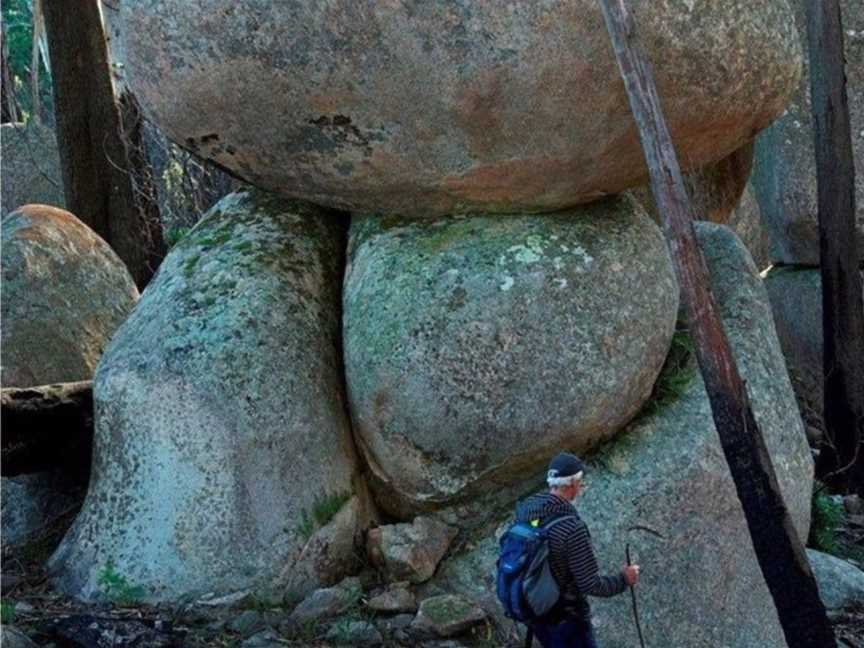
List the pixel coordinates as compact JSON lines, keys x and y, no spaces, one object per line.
{"x":396,"y":598}
{"x":853,"y":504}
{"x":328,"y":601}
{"x":354,"y":633}
{"x":13,"y":638}
{"x":446,"y":616}
{"x":247,"y":623}
{"x":264,"y":639}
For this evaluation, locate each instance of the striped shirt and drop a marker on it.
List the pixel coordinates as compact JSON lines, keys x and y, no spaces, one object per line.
{"x":571,"y":557}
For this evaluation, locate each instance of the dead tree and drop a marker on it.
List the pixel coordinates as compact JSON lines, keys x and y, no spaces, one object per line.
{"x":98,"y":165}
{"x":778,"y":549}
{"x":47,"y":427}
{"x":841,"y":460}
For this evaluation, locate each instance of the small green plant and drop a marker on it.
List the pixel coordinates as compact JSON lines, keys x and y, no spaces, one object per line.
{"x":827,"y":521}
{"x":678,"y":371}
{"x":7,"y":612}
{"x":116,"y":588}
{"x":174,"y":234}
{"x":323,"y":510}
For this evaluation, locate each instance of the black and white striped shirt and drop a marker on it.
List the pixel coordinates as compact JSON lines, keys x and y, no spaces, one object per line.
{"x":571,"y":556}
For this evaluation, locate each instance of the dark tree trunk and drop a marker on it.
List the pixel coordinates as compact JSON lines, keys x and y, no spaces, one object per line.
{"x":46,"y":428}
{"x":98,"y":166}
{"x":8,"y":106}
{"x":841,"y":461}
{"x":778,"y":549}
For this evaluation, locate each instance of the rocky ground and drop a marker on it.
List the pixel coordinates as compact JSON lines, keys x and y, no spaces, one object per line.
{"x":36,"y":615}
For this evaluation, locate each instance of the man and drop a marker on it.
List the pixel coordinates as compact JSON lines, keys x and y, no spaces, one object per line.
{"x":571,"y":557}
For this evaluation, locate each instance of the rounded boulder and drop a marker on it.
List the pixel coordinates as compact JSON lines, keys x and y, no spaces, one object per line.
{"x":433,"y":107}
{"x":65,"y":293}
{"x":476,"y":346}
{"x":223,"y":459}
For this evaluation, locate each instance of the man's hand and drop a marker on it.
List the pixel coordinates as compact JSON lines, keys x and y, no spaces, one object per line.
{"x":631,"y":574}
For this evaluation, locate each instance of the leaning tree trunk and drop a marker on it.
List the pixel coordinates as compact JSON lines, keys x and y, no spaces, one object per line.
{"x":778,"y":549}
{"x":98,"y":170}
{"x":841,"y":460}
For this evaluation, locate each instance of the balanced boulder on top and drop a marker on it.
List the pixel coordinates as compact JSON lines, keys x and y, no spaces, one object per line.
{"x":475,"y":347}
{"x":432,"y":107}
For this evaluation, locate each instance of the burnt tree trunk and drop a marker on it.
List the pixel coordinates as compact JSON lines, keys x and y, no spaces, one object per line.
{"x":778,"y":549}
{"x":99,"y":167}
{"x":8,"y":106}
{"x":841,"y":461}
{"x":47,"y":427}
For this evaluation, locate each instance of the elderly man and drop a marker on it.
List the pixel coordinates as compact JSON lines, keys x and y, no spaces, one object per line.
{"x":571,"y":557}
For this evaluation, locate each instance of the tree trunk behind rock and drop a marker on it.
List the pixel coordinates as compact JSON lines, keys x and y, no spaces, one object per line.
{"x":8,"y":106}
{"x":99,"y":165}
{"x":46,"y":428}
{"x":841,"y":462}
{"x":779,"y":550}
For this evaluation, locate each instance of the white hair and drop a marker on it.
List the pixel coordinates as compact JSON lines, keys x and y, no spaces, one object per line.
{"x":555,"y":481}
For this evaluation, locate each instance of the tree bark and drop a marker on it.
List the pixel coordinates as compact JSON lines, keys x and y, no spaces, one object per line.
{"x":47,"y":427}
{"x":97,"y":167}
{"x":841,"y":460}
{"x":8,"y":106}
{"x":778,"y":549}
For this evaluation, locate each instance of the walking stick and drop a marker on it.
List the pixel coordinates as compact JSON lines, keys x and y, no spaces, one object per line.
{"x":635,"y":605}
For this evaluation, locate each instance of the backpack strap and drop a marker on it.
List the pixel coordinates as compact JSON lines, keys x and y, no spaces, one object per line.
{"x":554,"y":522}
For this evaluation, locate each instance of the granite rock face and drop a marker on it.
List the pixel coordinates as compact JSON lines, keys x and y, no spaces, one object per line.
{"x":840,"y":582}
{"x":220,"y":420}
{"x":475,"y":347}
{"x":667,"y":472}
{"x":30,"y":173}
{"x":784,"y":173}
{"x":432,"y":107}
{"x":65,"y":292}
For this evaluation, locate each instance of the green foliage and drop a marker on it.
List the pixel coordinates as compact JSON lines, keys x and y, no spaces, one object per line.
{"x":116,"y":588}
{"x":7,"y":612}
{"x":827,"y":521}
{"x":324,"y":510}
{"x":174,"y":234}
{"x":18,"y":24}
{"x":678,"y":371}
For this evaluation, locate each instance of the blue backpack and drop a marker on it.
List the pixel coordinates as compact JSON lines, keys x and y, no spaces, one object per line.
{"x":526,"y":587}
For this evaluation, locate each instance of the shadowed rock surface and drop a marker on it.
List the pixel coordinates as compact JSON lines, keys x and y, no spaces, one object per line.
{"x":65,"y":292}
{"x":700,"y":582}
{"x":784,"y":173}
{"x":221,"y":436}
{"x":474,"y":347}
{"x":432,"y":108}
{"x":30,"y":172}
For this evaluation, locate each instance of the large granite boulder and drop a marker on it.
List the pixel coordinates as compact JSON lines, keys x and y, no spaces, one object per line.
{"x":30,"y":172}
{"x":784,"y":173}
{"x":701,"y":584}
{"x":222,"y":446}
{"x":476,"y":346}
{"x":433,"y":107}
{"x":65,"y":292}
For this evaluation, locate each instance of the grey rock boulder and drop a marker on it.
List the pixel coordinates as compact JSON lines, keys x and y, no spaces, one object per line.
{"x":395,"y":598}
{"x":409,"y":551}
{"x":746,"y":221}
{"x":328,"y":602}
{"x":37,"y":505}
{"x":11,"y":637}
{"x":476,"y":346}
{"x":784,"y":173}
{"x":347,"y":632}
{"x":840,"y":582}
{"x":446,"y":615}
{"x":65,"y":293}
{"x":220,"y":419}
{"x":433,"y":108}
{"x":667,"y":472}
{"x":31,"y":167}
